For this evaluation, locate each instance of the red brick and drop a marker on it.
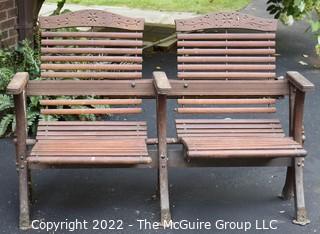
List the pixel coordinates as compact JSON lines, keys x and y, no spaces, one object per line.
{"x":12,"y":12}
{"x":9,"y":23}
{"x":6,"y":4}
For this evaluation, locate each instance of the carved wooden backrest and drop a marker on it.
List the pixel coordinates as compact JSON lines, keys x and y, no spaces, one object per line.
{"x":226,"y":46}
{"x":73,"y":48}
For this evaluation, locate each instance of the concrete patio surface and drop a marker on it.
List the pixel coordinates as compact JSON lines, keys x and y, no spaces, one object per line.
{"x":206,"y":194}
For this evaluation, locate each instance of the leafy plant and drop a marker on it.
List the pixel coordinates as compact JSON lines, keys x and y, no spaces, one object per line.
{"x":290,"y":10}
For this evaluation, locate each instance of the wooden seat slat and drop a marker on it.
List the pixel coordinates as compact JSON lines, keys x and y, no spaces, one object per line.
{"x":231,"y":44}
{"x":228,"y":126}
{"x":226,"y":51}
{"x":57,"y":50}
{"x":227,"y":121}
{"x":229,"y":75}
{"x":225,"y":110}
{"x":92,"y":123}
{"x":59,"y":102}
{"x":229,"y":67}
{"x":227,"y":101}
{"x":102,"y":111}
{"x":91,"y":128}
{"x":92,"y":66}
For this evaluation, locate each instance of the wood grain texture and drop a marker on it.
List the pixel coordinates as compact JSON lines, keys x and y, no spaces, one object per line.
{"x":226,"y":20}
{"x":91,"y":18}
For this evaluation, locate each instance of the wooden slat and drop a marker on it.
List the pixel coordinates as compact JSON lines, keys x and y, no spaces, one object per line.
{"x":245,"y":44}
{"x":247,"y":130}
{"x":61,"y":102}
{"x":225,"y":110}
{"x":224,"y":59}
{"x":107,"y":111}
{"x":94,"y":137}
{"x":91,"y":50}
{"x":230,"y":75}
{"x":126,"y":67}
{"x":93,"y":123}
{"x":229,"y":67}
{"x":95,"y":75}
{"x":248,"y":153}
{"x":126,"y":35}
{"x":227,"y":51}
{"x":135,"y":43}
{"x":233,"y":134}
{"x":226,"y":101}
{"x":145,"y":88}
{"x":91,"y":133}
{"x":90,"y":160}
{"x":72,"y":58}
{"x":91,"y":128}
{"x":227,"y":126}
{"x":206,"y":36}
{"x":227,"y":121}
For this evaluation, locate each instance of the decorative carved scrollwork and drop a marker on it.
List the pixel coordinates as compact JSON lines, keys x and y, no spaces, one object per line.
{"x":226,"y":20}
{"x":91,"y":18}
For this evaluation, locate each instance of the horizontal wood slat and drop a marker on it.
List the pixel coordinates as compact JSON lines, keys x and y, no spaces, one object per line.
{"x":206,"y":36}
{"x":95,"y":75}
{"x":73,"y":42}
{"x":89,"y":58}
{"x":126,"y":35}
{"x":226,"y":101}
{"x":226,"y":51}
{"x":228,"y":121}
{"x":60,"y":102}
{"x":225,"y":110}
{"x":92,"y":123}
{"x":91,"y":66}
{"x":57,"y":50}
{"x":101,"y":111}
{"x":90,"y":160}
{"x":230,"y":75}
{"x":245,"y":44}
{"x":224,"y":59}
{"x":229,"y":67}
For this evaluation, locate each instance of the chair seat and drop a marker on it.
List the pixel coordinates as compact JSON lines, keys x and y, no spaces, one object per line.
{"x":229,"y":138}
{"x":96,"y":142}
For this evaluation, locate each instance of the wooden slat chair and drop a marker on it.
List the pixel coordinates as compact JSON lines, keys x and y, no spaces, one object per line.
{"x":80,"y":63}
{"x":227,"y":65}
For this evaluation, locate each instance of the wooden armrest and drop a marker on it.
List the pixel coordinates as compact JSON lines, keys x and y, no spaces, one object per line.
{"x":161,"y":82}
{"x":299,"y":81}
{"x":18,"y":83}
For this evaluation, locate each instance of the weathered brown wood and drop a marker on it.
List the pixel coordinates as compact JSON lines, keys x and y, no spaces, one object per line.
{"x":231,"y":44}
{"x":225,"y":51}
{"x":89,"y":58}
{"x":95,"y":75}
{"x":125,"y":67}
{"x":18,"y":83}
{"x":226,"y":101}
{"x":73,"y":42}
{"x":226,"y":20}
{"x":63,"y":50}
{"x":161,"y":82}
{"x":227,"y":75}
{"x":224,"y":59}
{"x":225,"y":110}
{"x":61,"y":102}
{"x":223,"y":36}
{"x":91,"y":18}
{"x":126,"y":35}
{"x":299,"y":81}
{"x":163,"y":158}
{"x":231,"y":67}
{"x":100,"y":111}
{"x":145,"y":88}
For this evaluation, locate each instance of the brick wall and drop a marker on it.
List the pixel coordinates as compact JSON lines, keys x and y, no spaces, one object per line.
{"x":8,"y":23}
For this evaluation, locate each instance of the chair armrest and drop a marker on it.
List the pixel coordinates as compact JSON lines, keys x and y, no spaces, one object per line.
{"x":299,"y":81}
{"x":18,"y":83}
{"x":161,"y":82}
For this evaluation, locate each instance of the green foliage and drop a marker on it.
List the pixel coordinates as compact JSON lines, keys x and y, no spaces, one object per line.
{"x":290,"y":10}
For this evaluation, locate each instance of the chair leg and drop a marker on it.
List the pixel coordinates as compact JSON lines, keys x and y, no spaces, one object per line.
{"x":24,"y":220}
{"x":300,"y":208}
{"x":287,"y":191}
{"x":164,"y":193}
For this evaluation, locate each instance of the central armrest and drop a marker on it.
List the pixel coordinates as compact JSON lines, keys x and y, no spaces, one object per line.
{"x":161,"y":82}
{"x":18,"y":83}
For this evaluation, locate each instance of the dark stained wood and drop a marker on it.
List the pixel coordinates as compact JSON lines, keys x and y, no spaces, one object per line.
{"x":91,"y":59}
{"x":127,"y":35}
{"x":61,"y":102}
{"x":225,"y":110}
{"x":91,"y":18}
{"x":97,"y":111}
{"x":299,"y":81}
{"x":18,"y":83}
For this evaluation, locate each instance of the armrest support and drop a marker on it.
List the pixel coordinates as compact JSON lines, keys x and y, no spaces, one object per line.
{"x":161,"y":82}
{"x":299,"y":81}
{"x":18,"y":83}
